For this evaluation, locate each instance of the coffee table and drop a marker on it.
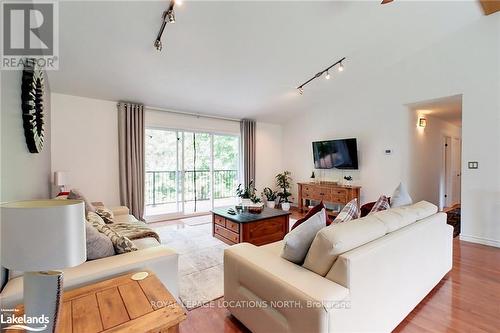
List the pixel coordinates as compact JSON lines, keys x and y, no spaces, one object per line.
{"x":267,"y":227}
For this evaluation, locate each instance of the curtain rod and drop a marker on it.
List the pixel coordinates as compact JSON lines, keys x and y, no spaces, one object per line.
{"x":197,"y":115}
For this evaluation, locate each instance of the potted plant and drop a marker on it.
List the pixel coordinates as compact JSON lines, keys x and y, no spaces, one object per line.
{"x":246,"y":193}
{"x":270,"y":197}
{"x":348,"y":180}
{"x":283,"y":181}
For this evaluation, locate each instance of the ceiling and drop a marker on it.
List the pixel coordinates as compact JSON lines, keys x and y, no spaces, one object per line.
{"x":239,"y":59}
{"x":448,"y":109}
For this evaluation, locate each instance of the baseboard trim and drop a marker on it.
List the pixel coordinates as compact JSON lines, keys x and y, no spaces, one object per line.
{"x":480,"y":240}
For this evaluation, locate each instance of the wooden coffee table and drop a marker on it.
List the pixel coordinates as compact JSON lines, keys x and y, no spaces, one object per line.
{"x":119,"y":305}
{"x":267,"y":227}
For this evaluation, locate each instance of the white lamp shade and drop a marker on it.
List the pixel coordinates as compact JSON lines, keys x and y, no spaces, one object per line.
{"x":60,"y":178}
{"x":40,"y":235}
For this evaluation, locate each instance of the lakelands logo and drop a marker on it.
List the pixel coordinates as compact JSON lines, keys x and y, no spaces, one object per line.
{"x":30,"y":30}
{"x":27,"y":323}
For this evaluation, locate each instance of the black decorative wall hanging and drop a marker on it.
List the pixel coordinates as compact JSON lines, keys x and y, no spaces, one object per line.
{"x":32,"y":106}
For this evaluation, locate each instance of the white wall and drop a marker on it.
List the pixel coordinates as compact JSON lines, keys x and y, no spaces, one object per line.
{"x":467,"y":63}
{"x":85,"y":144}
{"x":427,"y":157}
{"x":269,"y":148}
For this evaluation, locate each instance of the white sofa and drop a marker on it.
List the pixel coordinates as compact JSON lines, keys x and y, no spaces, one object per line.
{"x":151,"y":256}
{"x":369,"y":288}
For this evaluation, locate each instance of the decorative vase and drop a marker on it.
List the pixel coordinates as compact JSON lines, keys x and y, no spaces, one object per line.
{"x":271,"y":204}
{"x":285,"y":206}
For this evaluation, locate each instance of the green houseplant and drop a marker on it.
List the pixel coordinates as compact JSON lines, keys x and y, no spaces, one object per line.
{"x":283,"y":181}
{"x":247,"y":194}
{"x":270,"y":196}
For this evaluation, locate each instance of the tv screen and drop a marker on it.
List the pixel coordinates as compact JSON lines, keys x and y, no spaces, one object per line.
{"x":339,"y":154}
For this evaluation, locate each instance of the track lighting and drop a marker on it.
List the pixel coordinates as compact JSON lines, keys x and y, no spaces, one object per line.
{"x":168,"y":16}
{"x":326,"y":71}
{"x":171,"y":16}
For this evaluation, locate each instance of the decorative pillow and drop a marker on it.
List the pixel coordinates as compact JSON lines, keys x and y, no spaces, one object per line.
{"x":298,"y":241}
{"x":98,"y":245}
{"x":349,"y":212}
{"x":381,"y":204}
{"x":94,"y":219}
{"x":106,"y":214}
{"x":313,"y":211}
{"x":401,"y":197}
{"x":121,"y":243}
{"x":77,"y":195}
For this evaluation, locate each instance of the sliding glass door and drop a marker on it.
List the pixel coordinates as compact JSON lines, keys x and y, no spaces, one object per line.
{"x":189,"y":172}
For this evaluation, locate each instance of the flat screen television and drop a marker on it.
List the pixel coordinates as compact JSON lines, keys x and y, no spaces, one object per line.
{"x":339,"y":154}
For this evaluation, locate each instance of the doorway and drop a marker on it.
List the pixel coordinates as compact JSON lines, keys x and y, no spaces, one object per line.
{"x":189,"y":172}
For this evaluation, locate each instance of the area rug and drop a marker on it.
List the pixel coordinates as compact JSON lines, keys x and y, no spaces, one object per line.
{"x":197,"y":220}
{"x":201,"y":270}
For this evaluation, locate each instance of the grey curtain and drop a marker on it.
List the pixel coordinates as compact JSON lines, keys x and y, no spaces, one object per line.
{"x":247,"y":129}
{"x":131,"y":157}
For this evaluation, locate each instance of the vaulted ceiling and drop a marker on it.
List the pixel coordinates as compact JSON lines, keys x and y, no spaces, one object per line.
{"x":239,"y":59}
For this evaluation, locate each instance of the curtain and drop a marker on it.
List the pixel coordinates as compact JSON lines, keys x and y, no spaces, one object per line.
{"x":247,"y":129}
{"x":131,"y":157}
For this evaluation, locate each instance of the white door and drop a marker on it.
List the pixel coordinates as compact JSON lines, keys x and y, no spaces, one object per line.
{"x":456,"y":172}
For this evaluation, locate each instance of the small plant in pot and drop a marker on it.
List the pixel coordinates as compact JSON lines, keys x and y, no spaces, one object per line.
{"x":283,"y":181}
{"x":270,"y":196}
{"x":246,"y":193}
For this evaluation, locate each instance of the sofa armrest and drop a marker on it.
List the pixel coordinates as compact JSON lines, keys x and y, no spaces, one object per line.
{"x":297,"y":300}
{"x":119,"y":210}
{"x":160,"y":260}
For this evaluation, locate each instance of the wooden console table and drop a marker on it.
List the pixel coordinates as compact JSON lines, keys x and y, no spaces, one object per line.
{"x":328,"y":193}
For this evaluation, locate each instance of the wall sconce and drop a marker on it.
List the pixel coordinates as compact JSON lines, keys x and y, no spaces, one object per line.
{"x":422,"y":122}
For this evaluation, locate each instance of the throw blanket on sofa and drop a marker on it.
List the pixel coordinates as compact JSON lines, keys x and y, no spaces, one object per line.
{"x":134,"y":231}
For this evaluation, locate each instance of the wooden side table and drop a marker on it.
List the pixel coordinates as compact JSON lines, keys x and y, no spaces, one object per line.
{"x":120,"y":305}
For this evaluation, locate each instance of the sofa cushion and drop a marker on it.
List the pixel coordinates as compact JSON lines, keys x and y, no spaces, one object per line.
{"x":144,"y":243}
{"x":298,"y":241}
{"x":397,"y":218}
{"x":316,"y":209}
{"x":98,"y":245}
{"x":336,"y":239}
{"x":106,"y":214}
{"x":381,"y":204}
{"x":121,"y":243}
{"x":77,"y":195}
{"x":349,"y":212}
{"x":401,"y":197}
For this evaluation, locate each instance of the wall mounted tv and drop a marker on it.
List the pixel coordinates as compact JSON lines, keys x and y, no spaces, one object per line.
{"x":339,"y":154}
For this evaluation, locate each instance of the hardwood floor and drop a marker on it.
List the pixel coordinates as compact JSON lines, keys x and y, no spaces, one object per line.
{"x":466,"y":300}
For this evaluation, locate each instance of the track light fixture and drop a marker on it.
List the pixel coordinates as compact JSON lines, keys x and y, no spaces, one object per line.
{"x":168,"y":16}
{"x":326,"y":71}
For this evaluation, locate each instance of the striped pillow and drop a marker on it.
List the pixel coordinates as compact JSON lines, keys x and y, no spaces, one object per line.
{"x":381,"y":204}
{"x":349,"y":212}
{"x":121,"y":243}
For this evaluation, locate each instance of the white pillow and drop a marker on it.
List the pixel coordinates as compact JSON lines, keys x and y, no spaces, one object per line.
{"x":298,"y":241}
{"x":401,"y":197}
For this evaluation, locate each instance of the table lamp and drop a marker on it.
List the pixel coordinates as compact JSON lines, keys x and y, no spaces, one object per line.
{"x":38,"y":237}
{"x":60,"y":180}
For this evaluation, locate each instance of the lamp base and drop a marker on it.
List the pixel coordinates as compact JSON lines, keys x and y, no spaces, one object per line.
{"x":42,"y":298}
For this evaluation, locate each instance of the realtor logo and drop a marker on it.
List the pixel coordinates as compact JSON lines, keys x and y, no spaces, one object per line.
{"x":29,"y":31}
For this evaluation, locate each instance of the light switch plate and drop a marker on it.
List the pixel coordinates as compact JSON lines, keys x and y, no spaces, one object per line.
{"x":473,"y":165}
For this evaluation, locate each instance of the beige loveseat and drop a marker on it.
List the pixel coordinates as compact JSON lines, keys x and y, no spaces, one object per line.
{"x":150,"y":256}
{"x":389,"y":262}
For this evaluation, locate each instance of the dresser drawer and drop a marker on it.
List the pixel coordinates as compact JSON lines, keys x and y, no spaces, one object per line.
{"x":234,"y":237}
{"x":232,"y":226}
{"x":219,"y":220}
